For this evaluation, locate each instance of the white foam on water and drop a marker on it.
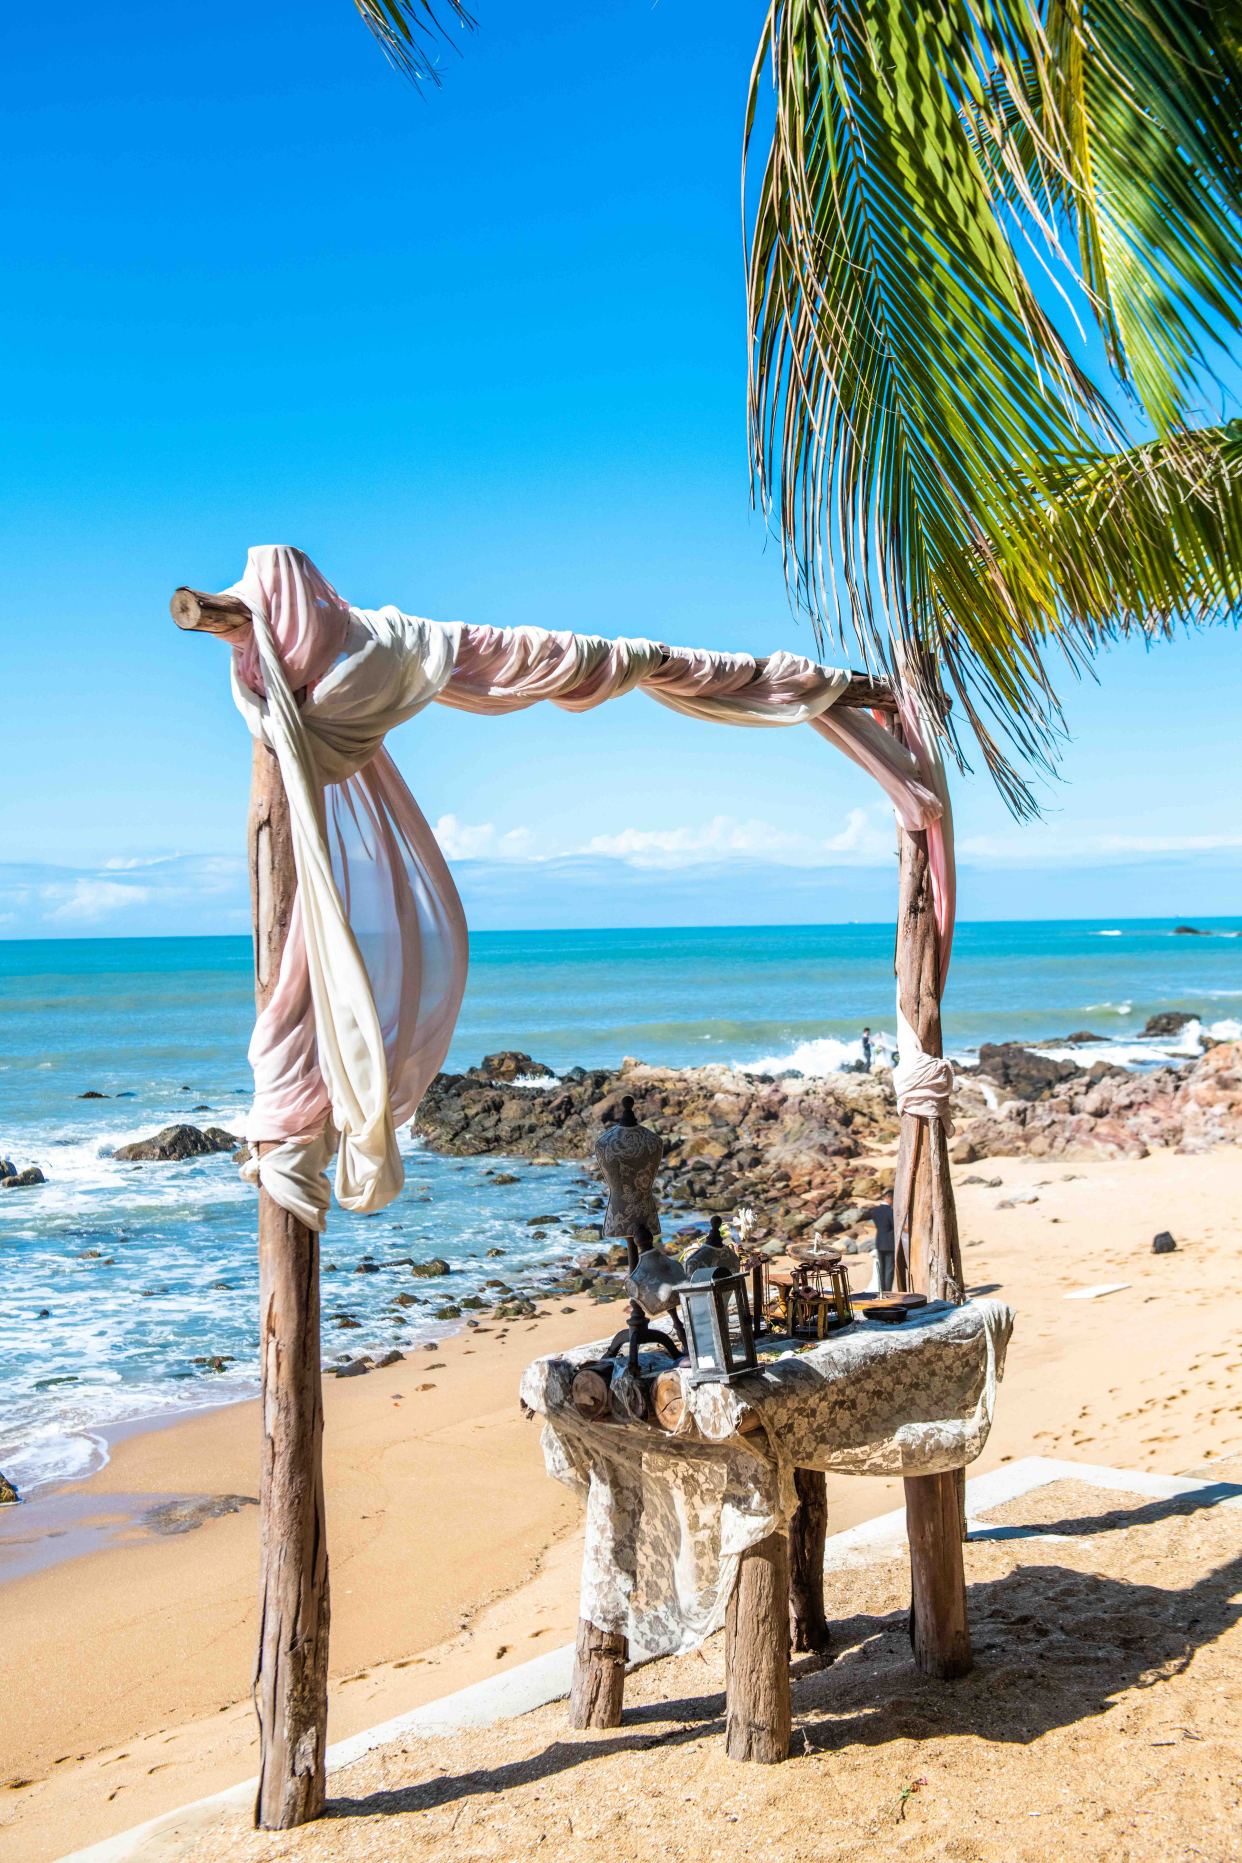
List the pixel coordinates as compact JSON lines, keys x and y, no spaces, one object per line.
{"x":1106,"y":934}
{"x":818,"y":1058}
{"x":1110,"y":1009}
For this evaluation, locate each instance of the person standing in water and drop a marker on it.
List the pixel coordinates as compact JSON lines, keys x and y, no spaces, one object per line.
{"x":866,"y":1048}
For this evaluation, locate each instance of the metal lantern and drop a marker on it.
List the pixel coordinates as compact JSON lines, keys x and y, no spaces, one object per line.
{"x":715,"y":1310}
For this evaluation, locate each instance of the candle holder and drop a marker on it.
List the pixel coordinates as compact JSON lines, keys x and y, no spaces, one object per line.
{"x":715,"y":1310}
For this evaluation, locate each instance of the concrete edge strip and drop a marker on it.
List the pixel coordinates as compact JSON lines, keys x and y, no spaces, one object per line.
{"x":546,"y":1678}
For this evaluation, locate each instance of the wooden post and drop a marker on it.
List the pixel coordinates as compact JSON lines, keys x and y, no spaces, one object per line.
{"x":928,"y":1262}
{"x":758,"y":1722}
{"x":938,"y":1627}
{"x":598,"y":1687}
{"x":924,"y":1213}
{"x":808,"y":1531}
{"x":291,"y":1666}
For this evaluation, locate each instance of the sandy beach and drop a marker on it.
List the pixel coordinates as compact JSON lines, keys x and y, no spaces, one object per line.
{"x":453,"y":1555}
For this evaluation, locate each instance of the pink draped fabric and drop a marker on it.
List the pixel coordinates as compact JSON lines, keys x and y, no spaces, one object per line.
{"x":375,"y":963}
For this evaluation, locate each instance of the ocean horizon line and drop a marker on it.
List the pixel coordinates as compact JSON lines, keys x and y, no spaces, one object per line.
{"x":1189,"y":918}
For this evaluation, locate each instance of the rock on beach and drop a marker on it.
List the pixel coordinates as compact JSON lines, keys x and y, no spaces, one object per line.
{"x":175,"y":1143}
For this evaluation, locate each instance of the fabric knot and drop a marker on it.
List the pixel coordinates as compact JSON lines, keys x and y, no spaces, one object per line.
{"x":924,"y":1084}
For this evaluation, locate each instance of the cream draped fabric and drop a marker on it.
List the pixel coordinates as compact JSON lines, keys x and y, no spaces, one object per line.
{"x":375,"y":962}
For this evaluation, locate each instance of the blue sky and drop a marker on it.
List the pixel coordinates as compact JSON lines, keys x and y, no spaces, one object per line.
{"x":481,"y":353}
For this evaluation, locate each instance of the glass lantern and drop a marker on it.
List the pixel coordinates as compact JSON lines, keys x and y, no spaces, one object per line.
{"x":715,"y":1310}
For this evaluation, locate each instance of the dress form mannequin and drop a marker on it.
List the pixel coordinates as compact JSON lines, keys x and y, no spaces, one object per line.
{"x":629,"y":1156}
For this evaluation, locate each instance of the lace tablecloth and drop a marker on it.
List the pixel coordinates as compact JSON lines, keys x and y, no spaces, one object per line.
{"x":670,"y":1514}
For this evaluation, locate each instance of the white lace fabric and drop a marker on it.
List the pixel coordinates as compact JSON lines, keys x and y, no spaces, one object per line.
{"x":670,"y":1515}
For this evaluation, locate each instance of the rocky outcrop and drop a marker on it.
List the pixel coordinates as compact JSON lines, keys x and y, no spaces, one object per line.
{"x":177,"y":1142}
{"x":12,"y":1179}
{"x":8,"y":1493}
{"x":1106,"y":1112}
{"x":1166,"y":1022}
{"x":796,"y":1148}
{"x":1022,"y":1074}
{"x":815,"y":1152}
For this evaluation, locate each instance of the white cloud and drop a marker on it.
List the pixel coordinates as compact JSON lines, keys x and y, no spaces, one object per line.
{"x":1059,"y":845}
{"x":865,"y":838}
{"x":87,"y":901}
{"x":461,"y":841}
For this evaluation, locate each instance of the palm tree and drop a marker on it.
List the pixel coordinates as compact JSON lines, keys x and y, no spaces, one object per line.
{"x":944,"y":200}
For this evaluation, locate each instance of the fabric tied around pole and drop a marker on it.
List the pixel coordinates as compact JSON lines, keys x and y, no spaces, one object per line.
{"x":375,"y":959}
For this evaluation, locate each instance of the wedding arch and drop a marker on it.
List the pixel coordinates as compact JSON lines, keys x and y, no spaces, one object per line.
{"x":360,"y":962}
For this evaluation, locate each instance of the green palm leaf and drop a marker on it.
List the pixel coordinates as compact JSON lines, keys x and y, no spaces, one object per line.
{"x":407,"y":29}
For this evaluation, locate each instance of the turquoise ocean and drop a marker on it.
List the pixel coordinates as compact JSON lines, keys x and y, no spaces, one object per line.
{"x":120,"y":1277}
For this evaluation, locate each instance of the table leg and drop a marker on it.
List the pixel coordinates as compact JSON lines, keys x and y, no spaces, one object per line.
{"x":939,"y":1630}
{"x":808,"y":1626}
{"x":598,"y":1686}
{"x":757,"y":1723}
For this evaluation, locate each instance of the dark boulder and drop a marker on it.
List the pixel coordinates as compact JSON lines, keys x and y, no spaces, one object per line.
{"x":175,"y":1143}
{"x":91,"y":1094}
{"x":20,"y":1180}
{"x":428,"y":1270}
{"x":1190,"y":931}
{"x":8,"y":1493}
{"x":1163,"y":1244}
{"x":511,"y":1064}
{"x":1022,"y":1074}
{"x":1167,"y":1022}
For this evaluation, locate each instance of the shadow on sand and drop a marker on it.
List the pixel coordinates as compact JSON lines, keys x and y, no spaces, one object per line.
{"x":1052,"y":1646}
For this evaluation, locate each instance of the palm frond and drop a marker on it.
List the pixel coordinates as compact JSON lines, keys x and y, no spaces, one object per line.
{"x":409,"y":29}
{"x":938,"y":459}
{"x":1148,"y":94}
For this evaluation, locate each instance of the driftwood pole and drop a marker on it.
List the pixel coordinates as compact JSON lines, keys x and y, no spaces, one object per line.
{"x":758,"y":1716}
{"x":929,"y":1262}
{"x":808,"y":1532}
{"x":291,"y":1665}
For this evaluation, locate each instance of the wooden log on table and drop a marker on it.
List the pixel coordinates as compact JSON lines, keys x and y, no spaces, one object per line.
{"x":598,"y":1686}
{"x":808,"y":1530}
{"x":929,"y":1262}
{"x":757,"y":1714}
{"x":668,"y":1400}
{"x":291,"y":1670}
{"x":589,"y":1393}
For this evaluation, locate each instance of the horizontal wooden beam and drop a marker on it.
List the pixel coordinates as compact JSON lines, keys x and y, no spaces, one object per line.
{"x":868,"y":695}
{"x":201,"y":613}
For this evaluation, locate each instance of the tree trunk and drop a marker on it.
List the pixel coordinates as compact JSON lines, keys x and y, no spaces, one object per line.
{"x":757,"y":1722}
{"x":808,"y":1530}
{"x":598,"y":1687}
{"x":291,"y":1671}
